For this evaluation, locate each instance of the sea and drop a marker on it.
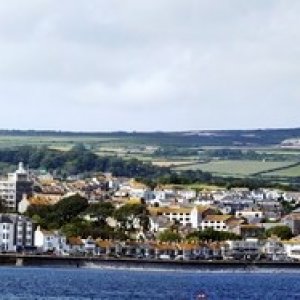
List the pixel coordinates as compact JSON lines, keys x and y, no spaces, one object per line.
{"x":87,"y":283}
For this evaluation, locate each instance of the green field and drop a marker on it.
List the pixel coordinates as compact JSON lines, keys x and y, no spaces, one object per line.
{"x":196,"y":156}
{"x":236,"y":167}
{"x":289,"y":172}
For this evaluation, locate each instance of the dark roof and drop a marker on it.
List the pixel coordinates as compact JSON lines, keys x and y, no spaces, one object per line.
{"x":6,"y":219}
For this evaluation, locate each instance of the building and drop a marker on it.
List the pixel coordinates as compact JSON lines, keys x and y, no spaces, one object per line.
{"x":251,"y":215}
{"x":248,"y":230}
{"x":7,"y":232}
{"x":14,"y":187}
{"x":292,"y":248}
{"x":182,"y":215}
{"x":50,"y":241}
{"x":16,"y":232}
{"x":246,"y":249}
{"x":293,"y":221}
{"x":175,"y":214}
{"x":217,"y":222}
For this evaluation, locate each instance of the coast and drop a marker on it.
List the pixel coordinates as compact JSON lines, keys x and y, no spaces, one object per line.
{"x":130,"y":263}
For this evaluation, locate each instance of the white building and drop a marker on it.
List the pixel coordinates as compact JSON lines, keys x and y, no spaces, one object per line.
{"x":7,"y":231}
{"x":216,"y":222}
{"x":50,"y":241}
{"x":250,"y":215}
{"x":16,"y":232}
{"x":185,"y":216}
{"x":292,"y":248}
{"x":14,"y":186}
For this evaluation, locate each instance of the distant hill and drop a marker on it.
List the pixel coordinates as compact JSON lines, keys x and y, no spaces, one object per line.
{"x":255,"y":138}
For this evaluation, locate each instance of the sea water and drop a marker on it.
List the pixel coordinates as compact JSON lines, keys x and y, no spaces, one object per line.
{"x":59,"y":283}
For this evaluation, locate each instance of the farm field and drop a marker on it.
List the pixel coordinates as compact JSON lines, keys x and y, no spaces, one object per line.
{"x":187,"y":155}
{"x":178,"y":163}
{"x":236,"y":167}
{"x":289,"y":172}
{"x":54,"y":142}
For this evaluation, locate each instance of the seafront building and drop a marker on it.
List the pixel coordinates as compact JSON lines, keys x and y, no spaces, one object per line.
{"x":16,"y":232}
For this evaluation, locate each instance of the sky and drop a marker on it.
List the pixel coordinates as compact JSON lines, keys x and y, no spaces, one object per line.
{"x":168,"y":65}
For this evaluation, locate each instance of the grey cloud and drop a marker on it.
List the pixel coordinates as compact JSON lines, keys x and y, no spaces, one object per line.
{"x":209,"y":64}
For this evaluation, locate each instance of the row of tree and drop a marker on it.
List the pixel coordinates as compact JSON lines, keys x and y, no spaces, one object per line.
{"x":80,"y":160}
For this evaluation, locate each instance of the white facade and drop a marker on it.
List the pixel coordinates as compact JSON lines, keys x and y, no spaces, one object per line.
{"x":216,"y":222}
{"x":8,"y":193}
{"x":250,"y":215}
{"x":9,"y":187}
{"x":6,"y":235}
{"x":50,"y":241}
{"x":16,"y":232}
{"x":292,"y":249}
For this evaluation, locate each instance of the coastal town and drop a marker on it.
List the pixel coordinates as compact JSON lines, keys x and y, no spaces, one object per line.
{"x":121,"y":217}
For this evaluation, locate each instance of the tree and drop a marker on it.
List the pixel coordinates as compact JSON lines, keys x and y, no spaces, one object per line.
{"x":69,"y":208}
{"x":213,"y":235}
{"x":101,"y":211}
{"x":283,"y":232}
{"x":63,"y":212}
{"x":169,"y":236}
{"x":131,"y":215}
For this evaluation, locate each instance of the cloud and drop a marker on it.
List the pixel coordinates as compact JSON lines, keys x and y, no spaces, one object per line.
{"x":209,"y":64}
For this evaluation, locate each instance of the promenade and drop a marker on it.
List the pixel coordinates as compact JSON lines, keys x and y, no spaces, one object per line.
{"x":104,"y":262}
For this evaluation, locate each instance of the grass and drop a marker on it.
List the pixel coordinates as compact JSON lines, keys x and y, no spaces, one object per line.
{"x":289,"y":172}
{"x":128,"y":148}
{"x":236,"y":167}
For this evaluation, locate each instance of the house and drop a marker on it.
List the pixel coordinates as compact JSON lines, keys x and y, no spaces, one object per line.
{"x":76,"y":246}
{"x":7,"y":232}
{"x":292,"y":248}
{"x":292,"y":196}
{"x":245,"y":249}
{"x":198,"y":213}
{"x":251,"y":215}
{"x":139,"y":190}
{"x":37,"y":199}
{"x":50,"y":241}
{"x":159,"y":223}
{"x":189,"y":250}
{"x":107,"y":247}
{"x":163,"y":197}
{"x":17,"y":232}
{"x":274,"y":249}
{"x":293,"y":221}
{"x":248,"y":230}
{"x":217,"y":222}
{"x":89,"y":246}
{"x":165,"y":250}
{"x":181,"y":215}
{"x":187,"y":194}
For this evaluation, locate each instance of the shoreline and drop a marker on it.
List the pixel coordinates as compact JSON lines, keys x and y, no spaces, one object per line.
{"x":131,"y":263}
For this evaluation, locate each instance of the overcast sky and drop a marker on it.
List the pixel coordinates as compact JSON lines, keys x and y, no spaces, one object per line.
{"x":96,"y":65}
